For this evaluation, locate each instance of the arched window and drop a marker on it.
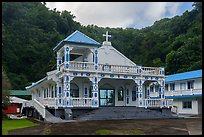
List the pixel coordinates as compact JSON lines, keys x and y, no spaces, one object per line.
{"x":134,"y":90}
{"x":120,"y":94}
{"x":74,"y":90}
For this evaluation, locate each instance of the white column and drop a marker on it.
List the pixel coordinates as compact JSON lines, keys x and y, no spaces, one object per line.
{"x":58,"y":100}
{"x":95,"y":91}
{"x":67,"y":98}
{"x":140,"y":93}
{"x":66,"y":57}
{"x":95,"y":59}
{"x":59,"y":60}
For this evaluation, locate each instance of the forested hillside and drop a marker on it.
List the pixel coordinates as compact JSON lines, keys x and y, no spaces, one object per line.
{"x":30,"y":31}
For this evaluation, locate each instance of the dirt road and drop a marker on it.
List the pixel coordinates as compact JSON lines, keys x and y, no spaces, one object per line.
{"x":149,"y":127}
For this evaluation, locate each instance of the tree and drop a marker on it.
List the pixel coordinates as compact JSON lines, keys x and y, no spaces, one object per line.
{"x":5,"y":91}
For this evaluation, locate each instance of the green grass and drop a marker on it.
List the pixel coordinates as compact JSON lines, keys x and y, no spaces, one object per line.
{"x":103,"y":132}
{"x":15,"y":124}
{"x":119,"y":132}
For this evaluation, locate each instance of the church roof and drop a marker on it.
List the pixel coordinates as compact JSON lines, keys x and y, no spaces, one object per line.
{"x":77,"y":37}
{"x":185,"y":75}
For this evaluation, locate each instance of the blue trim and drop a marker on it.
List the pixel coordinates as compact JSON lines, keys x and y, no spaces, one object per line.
{"x":184,"y":96}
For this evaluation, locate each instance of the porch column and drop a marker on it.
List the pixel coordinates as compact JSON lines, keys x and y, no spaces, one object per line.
{"x":67,"y":100}
{"x":58,"y":100}
{"x":95,"y":102}
{"x":59,"y":60}
{"x":66,"y":57}
{"x":96,"y":59}
{"x":161,"y":92}
{"x":140,"y":93}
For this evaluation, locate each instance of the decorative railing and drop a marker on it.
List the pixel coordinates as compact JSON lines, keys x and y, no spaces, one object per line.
{"x":183,"y":92}
{"x":153,"y":94}
{"x":50,"y":102}
{"x":81,"y":65}
{"x":158,"y":102}
{"x":81,"y":102}
{"x":89,"y":66}
{"x":118,"y":68}
{"x":151,"y":71}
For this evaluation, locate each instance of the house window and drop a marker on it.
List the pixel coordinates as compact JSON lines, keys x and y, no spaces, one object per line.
{"x":120,"y":94}
{"x":187,"y":104}
{"x":172,"y":86}
{"x":166,"y":87}
{"x":190,"y":84}
{"x":182,"y":86}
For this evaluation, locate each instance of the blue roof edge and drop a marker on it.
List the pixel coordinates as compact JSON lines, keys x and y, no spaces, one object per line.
{"x":59,"y":45}
{"x":172,"y":77}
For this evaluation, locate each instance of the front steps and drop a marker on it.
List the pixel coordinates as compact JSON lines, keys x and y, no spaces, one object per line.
{"x":110,"y":113}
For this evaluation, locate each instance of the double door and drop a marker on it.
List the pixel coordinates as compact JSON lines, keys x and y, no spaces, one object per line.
{"x":106,"y":97}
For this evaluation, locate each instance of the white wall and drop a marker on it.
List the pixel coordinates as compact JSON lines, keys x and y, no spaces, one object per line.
{"x":181,"y":110}
{"x":197,"y":83}
{"x":108,"y":54}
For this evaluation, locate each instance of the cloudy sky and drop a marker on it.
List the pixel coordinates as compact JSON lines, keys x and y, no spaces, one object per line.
{"x":121,"y":14}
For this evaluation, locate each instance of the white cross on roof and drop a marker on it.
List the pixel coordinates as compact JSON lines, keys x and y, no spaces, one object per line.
{"x":106,"y":35}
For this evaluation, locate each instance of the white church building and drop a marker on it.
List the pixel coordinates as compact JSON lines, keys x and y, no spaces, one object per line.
{"x":94,"y":75}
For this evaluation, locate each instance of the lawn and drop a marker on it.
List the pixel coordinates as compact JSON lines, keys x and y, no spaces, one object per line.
{"x":119,"y":132}
{"x":15,"y":124}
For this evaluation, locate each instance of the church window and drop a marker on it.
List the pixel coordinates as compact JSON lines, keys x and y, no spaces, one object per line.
{"x":74,"y":90}
{"x":120,"y":94}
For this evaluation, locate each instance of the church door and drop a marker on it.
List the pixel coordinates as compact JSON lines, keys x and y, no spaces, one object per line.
{"x":106,"y":97}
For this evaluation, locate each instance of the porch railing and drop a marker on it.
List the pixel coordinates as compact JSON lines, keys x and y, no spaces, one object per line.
{"x":81,"y":65}
{"x":151,"y":70}
{"x":89,"y":66}
{"x":81,"y":102}
{"x":158,"y":102}
{"x":183,"y":92}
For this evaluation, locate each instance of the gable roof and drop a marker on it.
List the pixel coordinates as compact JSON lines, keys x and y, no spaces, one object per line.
{"x":19,"y":92}
{"x":185,"y":75}
{"x":77,"y":37}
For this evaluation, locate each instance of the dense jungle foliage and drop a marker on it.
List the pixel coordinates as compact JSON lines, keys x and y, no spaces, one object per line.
{"x":30,"y":31}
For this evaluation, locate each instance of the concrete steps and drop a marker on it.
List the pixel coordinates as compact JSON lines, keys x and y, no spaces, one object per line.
{"x":108,"y":113}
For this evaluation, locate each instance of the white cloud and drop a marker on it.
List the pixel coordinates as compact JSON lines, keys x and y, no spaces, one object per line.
{"x":118,"y":14}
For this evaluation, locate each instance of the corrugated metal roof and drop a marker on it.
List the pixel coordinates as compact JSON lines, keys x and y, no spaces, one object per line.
{"x":185,"y":75}
{"x":78,"y":38}
{"x":20,"y":92}
{"x":17,"y":100}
